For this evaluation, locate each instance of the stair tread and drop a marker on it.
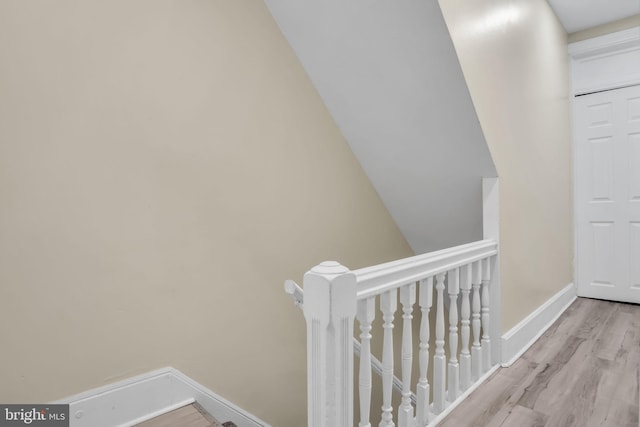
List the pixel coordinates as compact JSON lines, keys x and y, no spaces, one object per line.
{"x":188,"y":416}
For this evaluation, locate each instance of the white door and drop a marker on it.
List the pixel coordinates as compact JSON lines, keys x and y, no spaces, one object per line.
{"x":607,"y":199}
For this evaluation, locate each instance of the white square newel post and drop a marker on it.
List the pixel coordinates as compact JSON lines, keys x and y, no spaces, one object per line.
{"x":330,"y":310}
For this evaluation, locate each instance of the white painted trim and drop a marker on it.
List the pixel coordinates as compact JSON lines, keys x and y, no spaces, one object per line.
{"x":216,"y":405}
{"x":383,"y":277}
{"x":605,"y":62}
{"x":441,"y":416}
{"x":605,"y":44}
{"x":614,"y":84}
{"x":519,"y":338}
{"x":490,"y":208}
{"x":162,"y":411}
{"x":491,"y":230}
{"x":574,"y":176}
{"x":145,"y":396}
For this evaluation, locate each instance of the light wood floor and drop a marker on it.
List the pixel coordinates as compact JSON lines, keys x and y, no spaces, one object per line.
{"x":584,"y":371}
{"x":187,"y":416}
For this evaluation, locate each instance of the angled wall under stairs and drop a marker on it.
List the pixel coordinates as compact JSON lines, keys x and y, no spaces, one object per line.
{"x":389,"y":75}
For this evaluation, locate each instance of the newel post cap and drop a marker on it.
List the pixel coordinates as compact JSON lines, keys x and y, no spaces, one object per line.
{"x":329,"y":268}
{"x":330,"y":290}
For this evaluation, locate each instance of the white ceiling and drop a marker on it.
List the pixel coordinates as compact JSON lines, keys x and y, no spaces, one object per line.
{"x":578,"y":15}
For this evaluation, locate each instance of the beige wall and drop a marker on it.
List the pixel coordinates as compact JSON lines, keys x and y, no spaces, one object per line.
{"x":514,"y":58}
{"x":611,"y":27}
{"x":164,"y":167}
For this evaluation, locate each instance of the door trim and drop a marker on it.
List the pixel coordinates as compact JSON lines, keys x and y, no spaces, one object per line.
{"x":605,"y":62}
{"x":604,"y":44}
{"x":592,"y":62}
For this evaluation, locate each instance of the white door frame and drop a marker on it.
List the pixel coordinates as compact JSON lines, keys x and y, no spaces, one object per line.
{"x":601,"y":63}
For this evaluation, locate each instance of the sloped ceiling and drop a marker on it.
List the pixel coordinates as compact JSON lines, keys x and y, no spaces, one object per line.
{"x":580,"y":15}
{"x":388,"y":73}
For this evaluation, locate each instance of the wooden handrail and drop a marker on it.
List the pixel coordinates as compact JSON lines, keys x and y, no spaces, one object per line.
{"x":383,"y":277}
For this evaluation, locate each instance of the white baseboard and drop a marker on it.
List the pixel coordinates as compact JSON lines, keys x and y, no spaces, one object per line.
{"x":519,"y":338}
{"x":143,"y":397}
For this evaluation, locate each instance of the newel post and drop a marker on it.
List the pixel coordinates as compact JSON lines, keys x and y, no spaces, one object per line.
{"x":491,"y":230}
{"x":330,"y":310}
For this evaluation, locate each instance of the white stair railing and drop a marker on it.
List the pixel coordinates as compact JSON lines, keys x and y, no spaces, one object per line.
{"x":297,"y":295}
{"x":334,"y":297}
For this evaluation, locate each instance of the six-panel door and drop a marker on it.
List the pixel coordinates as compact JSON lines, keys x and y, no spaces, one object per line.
{"x":607,"y":166}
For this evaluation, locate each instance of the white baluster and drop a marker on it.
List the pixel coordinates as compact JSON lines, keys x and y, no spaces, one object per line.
{"x":439,"y":359}
{"x":453,"y":286}
{"x":366,"y":314}
{"x":486,"y":324}
{"x":388,"y":306}
{"x":465,"y":332}
{"x":476,"y":350}
{"x":425,"y":301}
{"x":407,"y":299}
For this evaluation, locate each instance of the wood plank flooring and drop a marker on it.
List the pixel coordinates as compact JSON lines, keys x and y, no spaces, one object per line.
{"x":187,"y":416}
{"x":583,"y":372}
